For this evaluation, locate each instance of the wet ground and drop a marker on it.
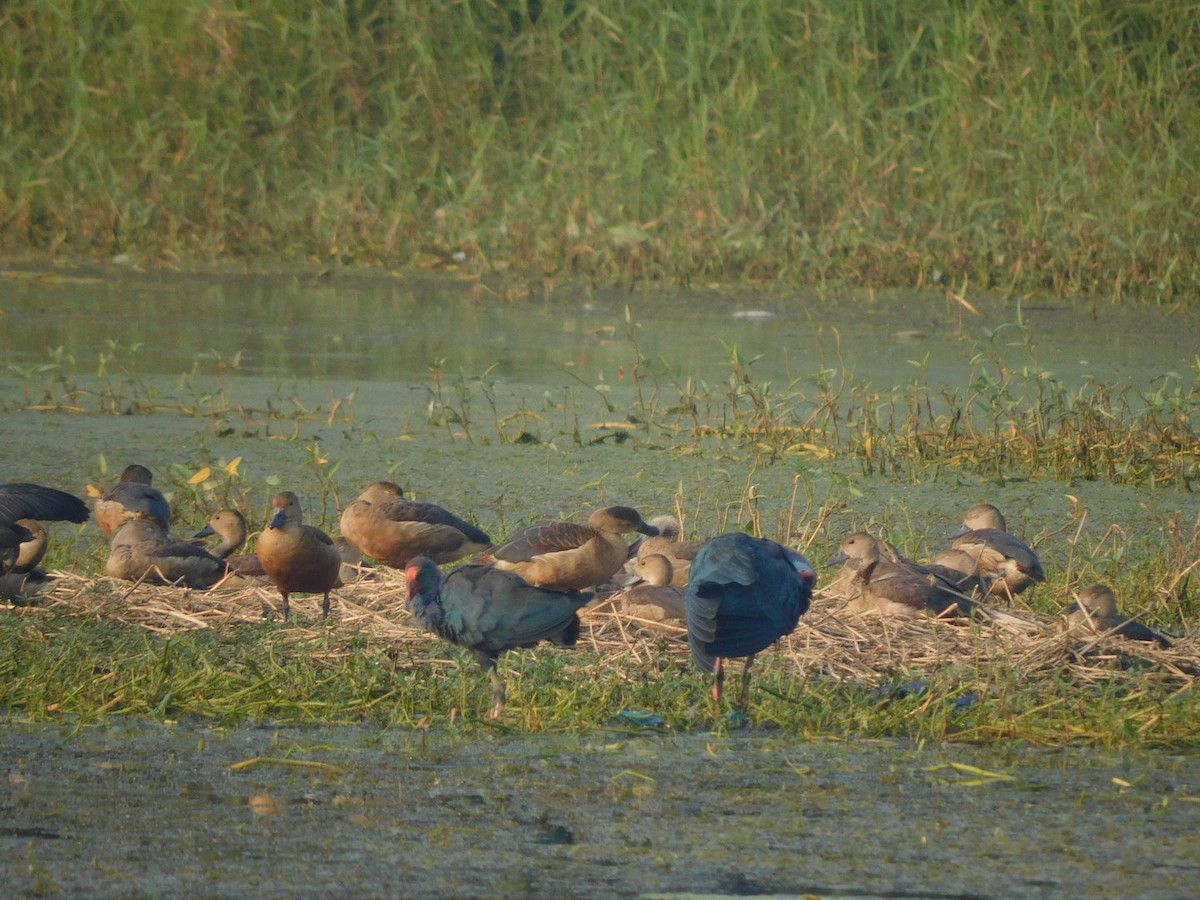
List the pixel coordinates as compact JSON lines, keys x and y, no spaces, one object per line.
{"x":147,"y":810}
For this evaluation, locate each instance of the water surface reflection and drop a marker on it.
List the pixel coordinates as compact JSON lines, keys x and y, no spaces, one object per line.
{"x":382,"y":328}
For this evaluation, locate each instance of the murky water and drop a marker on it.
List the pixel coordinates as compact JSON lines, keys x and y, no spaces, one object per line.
{"x":129,"y":809}
{"x":366,"y":327}
{"x":153,"y":811}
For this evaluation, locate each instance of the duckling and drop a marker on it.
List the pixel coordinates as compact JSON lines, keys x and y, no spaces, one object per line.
{"x":141,"y":550}
{"x":568,"y":557}
{"x":679,"y":554}
{"x":298,"y":557}
{"x":1095,"y":609}
{"x":656,"y":597}
{"x":390,"y":528}
{"x":1006,"y":561}
{"x":132,"y":497}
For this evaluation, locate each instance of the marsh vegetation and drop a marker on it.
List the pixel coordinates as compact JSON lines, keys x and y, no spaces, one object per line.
{"x":1096,"y":475}
{"x":1020,"y":146}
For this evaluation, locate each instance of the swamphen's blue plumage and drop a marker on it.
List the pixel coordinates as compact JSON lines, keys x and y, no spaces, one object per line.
{"x":489,"y":610}
{"x":743,"y":594}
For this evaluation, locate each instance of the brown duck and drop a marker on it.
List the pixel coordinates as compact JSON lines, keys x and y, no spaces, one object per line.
{"x":679,"y":554}
{"x":891,"y":588}
{"x":655,"y":597}
{"x":230,"y":526}
{"x":132,"y":497}
{"x":564,"y":556}
{"x":298,"y":558}
{"x":388,"y":527}
{"x":141,"y":550}
{"x":1005,"y":561}
{"x":1095,"y":610}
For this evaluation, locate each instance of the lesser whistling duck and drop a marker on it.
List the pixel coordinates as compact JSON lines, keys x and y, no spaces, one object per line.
{"x":298,"y":558}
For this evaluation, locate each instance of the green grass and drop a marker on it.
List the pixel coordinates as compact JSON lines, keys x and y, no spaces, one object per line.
{"x":84,"y":669}
{"x":1042,"y":144}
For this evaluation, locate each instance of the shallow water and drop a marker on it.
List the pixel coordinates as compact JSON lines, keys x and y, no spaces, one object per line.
{"x":370,"y":326}
{"x":150,"y":810}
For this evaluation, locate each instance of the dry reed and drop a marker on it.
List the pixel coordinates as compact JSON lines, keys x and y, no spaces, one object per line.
{"x":831,"y":644}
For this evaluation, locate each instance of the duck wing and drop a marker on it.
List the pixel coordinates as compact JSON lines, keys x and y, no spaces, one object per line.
{"x":548,"y":537}
{"x":432,"y":514}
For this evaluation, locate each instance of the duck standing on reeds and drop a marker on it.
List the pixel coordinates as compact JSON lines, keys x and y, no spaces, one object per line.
{"x":489,"y":610}
{"x":132,"y":497}
{"x":564,"y":556}
{"x":392,"y":529}
{"x":743,"y":594}
{"x":1007,"y":563}
{"x":298,"y":558}
{"x":1095,"y":610}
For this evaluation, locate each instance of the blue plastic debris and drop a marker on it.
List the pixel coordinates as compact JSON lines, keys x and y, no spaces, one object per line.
{"x":641,"y":717}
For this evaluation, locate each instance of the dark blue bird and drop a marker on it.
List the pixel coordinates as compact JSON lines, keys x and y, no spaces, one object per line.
{"x":21,"y":500}
{"x":489,"y":610}
{"x":743,"y":594}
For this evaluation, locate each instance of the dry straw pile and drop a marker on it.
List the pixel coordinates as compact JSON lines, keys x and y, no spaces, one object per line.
{"x":830,"y":644}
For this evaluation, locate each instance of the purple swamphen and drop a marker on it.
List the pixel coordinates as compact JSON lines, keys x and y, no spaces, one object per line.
{"x":743,"y":594}
{"x":488,"y":611}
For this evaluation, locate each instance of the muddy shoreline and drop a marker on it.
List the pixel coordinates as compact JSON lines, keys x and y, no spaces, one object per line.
{"x":142,"y":809}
